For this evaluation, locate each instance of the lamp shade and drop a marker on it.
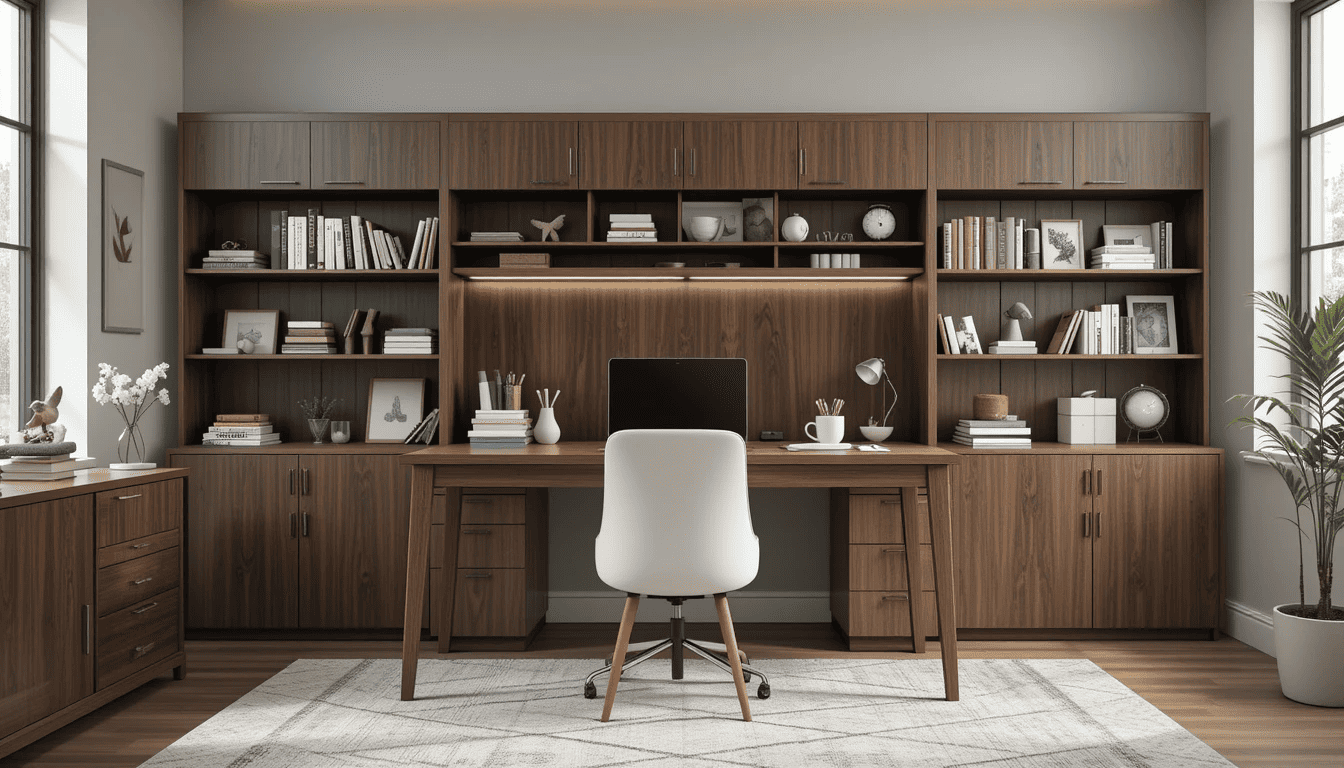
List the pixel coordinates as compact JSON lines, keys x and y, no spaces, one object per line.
{"x":870,"y":370}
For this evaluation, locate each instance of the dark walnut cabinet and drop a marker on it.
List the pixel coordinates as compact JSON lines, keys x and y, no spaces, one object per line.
{"x":1005,"y":154}
{"x":375,"y":154}
{"x":270,"y":155}
{"x":863,"y":154}
{"x":1138,"y":155}
{"x":733,"y":154}
{"x":631,"y":154}
{"x":507,"y":154}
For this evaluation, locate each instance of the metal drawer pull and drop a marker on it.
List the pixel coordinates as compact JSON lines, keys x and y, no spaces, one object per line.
{"x":893,"y":549}
{"x":478,"y":575}
{"x":343,"y":181}
{"x":304,"y":525}
{"x":1105,"y":181}
{"x":890,"y":501}
{"x":141,"y":546}
{"x":675,"y":165}
{"x":1098,"y":482}
{"x":87,"y":615}
{"x":139,"y":611}
{"x":1040,"y":182}
{"x":829,"y":181}
{"x":548,"y":181}
{"x":895,"y":597}
{"x":276,"y":182}
{"x":477,"y":530}
{"x":1098,"y":525}
{"x":1087,"y":525}
{"x":293,"y":525}
{"x":478,"y":501}
{"x":145,"y":580}
{"x":571,"y":161}
{"x":141,"y":650}
{"x":132,"y":496}
{"x":692,"y":161}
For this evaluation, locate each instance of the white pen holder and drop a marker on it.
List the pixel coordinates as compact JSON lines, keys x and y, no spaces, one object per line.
{"x":546,"y":432}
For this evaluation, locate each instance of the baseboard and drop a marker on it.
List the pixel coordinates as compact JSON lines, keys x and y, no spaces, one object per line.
{"x":748,"y":607}
{"x":1250,"y":627}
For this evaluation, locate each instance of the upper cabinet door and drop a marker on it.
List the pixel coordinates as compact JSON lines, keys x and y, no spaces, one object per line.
{"x":630,"y":154}
{"x":731,"y":154}
{"x":1139,"y":155}
{"x":278,"y":156}
{"x":503,"y":154}
{"x":215,"y":155}
{"x":1004,"y":154}
{"x":375,"y":155}
{"x":863,"y":155}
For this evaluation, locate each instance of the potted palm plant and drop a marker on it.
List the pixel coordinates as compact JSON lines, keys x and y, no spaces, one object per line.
{"x":1301,"y":434}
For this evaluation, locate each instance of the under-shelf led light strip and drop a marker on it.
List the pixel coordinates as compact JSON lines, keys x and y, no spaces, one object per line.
{"x":705,"y":278}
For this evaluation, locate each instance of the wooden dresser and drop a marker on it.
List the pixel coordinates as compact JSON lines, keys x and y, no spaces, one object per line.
{"x":91,"y":606}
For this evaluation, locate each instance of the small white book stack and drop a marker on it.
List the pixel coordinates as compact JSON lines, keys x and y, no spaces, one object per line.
{"x":1009,"y":432}
{"x":496,"y":237}
{"x":236,"y":260}
{"x":27,"y":469}
{"x":631,"y":228}
{"x":1123,"y":257}
{"x":500,"y":429}
{"x":409,"y":341}
{"x":245,"y":429}
{"x":309,"y":337}
{"x":1012,"y":348}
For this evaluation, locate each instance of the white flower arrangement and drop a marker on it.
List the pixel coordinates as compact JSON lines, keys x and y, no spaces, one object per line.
{"x":131,"y":399}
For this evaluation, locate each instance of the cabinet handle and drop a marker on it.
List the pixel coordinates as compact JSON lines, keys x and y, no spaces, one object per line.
{"x":895,"y":597}
{"x":571,"y":161}
{"x":893,"y":549}
{"x":889,"y":501}
{"x":145,"y":580}
{"x":293,"y":525}
{"x":139,"y":611}
{"x":132,"y":496}
{"x":1040,"y":182}
{"x":802,"y":162}
{"x":675,"y":152}
{"x":264,"y":181}
{"x":1104,"y":181}
{"x":307,"y":484}
{"x":86,"y":615}
{"x":140,"y":546}
{"x":141,"y":650}
{"x":305,"y":523}
{"x":1098,"y":525}
{"x":1087,"y":482}
{"x":547,"y":181}
{"x":692,"y":161}
{"x":291,"y":482}
{"x":478,"y":501}
{"x":482,"y":531}
{"x":477,"y":575}
{"x":829,"y":181}
{"x":344,"y":181}
{"x":1087,"y":526}
{"x":1098,"y":482}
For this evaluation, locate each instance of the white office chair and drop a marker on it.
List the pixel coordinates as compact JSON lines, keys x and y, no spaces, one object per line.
{"x":676,"y":525}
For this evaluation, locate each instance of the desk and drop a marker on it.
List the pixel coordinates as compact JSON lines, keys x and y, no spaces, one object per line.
{"x":907,"y":467}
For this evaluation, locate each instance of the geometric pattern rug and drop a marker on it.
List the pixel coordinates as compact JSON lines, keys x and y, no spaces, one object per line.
{"x":484,"y":713}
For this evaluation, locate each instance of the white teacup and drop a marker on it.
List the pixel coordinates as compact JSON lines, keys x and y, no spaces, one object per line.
{"x":829,"y":429}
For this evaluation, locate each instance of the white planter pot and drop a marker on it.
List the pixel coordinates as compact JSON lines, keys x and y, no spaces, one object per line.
{"x":1311,"y":658}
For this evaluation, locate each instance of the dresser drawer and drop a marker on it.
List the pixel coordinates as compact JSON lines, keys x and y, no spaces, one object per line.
{"x":135,"y":581}
{"x":129,"y":550}
{"x":491,"y":602}
{"x":491,"y":546}
{"x":138,"y":511}
{"x":493,"y":509}
{"x":887,"y":614}
{"x":137,"y":636}
{"x":877,"y":519}
{"x":883,"y":566}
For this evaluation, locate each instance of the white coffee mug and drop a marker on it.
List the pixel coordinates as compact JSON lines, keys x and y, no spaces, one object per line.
{"x":829,"y":429}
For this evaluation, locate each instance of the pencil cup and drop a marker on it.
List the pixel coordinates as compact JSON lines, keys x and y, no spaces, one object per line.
{"x":546,"y":432}
{"x":829,"y":429}
{"x":340,"y":431}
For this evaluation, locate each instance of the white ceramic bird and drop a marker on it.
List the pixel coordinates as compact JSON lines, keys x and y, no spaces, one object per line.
{"x":45,"y":413}
{"x":550,"y":229}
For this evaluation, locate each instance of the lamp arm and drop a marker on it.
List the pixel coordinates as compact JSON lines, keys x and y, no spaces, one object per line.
{"x":894,"y":396}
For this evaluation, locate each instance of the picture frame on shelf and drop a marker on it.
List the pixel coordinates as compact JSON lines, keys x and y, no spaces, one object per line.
{"x":258,"y":327}
{"x":123,"y":249}
{"x":396,"y":406}
{"x":1127,"y":234}
{"x":730,"y":211}
{"x":1154,"y":319}
{"x":758,"y":219}
{"x":1062,"y":244}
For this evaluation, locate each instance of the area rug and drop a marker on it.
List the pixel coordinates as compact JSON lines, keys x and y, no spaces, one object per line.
{"x":487,"y":713}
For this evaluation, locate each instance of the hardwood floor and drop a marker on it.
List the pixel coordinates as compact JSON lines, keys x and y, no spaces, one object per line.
{"x":1224,"y":692}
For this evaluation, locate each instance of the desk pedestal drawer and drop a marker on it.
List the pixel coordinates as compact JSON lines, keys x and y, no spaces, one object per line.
{"x":492,"y":546}
{"x":138,"y":511}
{"x":491,"y":602}
{"x":887,"y":614}
{"x":878,"y":520}
{"x":479,"y":509}
{"x":137,"y":636}
{"x":135,"y":581}
{"x":883,"y":566}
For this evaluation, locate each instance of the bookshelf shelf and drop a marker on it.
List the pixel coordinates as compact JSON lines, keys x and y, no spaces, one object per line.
{"x":1062,"y":275}
{"x":309,"y":358}
{"x":1079,"y":358}
{"x":804,"y":274}
{"x":318,"y":275}
{"x":298,"y":447}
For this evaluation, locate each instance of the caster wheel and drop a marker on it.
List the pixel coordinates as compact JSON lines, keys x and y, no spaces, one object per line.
{"x":763,"y":692}
{"x":589,"y":691}
{"x":746,"y":676}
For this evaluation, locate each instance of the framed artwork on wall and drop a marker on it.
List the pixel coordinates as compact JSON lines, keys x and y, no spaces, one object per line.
{"x":396,"y":406}
{"x":123,"y":248}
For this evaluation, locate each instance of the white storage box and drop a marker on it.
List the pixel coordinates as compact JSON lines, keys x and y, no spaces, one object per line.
{"x":1087,"y":420}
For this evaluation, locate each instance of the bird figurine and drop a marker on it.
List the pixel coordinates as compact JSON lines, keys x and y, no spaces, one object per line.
{"x":550,"y":229}
{"x":44,"y":415}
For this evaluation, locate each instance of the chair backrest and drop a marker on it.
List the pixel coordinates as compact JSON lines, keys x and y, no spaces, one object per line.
{"x":675,"y":517}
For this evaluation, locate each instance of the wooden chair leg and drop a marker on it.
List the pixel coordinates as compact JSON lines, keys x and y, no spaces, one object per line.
{"x":734,"y":660}
{"x":618,"y":657}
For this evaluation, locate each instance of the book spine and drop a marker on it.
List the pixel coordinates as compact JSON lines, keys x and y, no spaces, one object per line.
{"x":947,"y":246}
{"x":1169,"y":247}
{"x":398,"y":254}
{"x":961,"y":244}
{"x":310,"y":237}
{"x":431,"y":249}
{"x":276,"y":248}
{"x":418,"y":244}
{"x":951,"y":328}
{"x":1017,"y":244}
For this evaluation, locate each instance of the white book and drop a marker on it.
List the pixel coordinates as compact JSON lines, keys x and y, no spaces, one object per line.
{"x":1002,"y":343}
{"x":419,"y":244}
{"x":630,"y":217}
{"x":947,"y":246}
{"x":432,"y":243}
{"x":302,"y":255}
{"x":972,"y":337}
{"x":984,"y":432}
{"x":291,"y":242}
{"x":398,"y":253}
{"x":1169,"y":247}
{"x":333,"y":256}
{"x":1017,"y":243}
{"x":322,"y":232}
{"x":357,"y":241}
{"x":991,"y":243}
{"x":340,"y":244}
{"x":954,"y":347}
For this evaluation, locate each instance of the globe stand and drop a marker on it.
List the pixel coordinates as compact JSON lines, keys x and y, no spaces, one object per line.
{"x":1144,"y":410}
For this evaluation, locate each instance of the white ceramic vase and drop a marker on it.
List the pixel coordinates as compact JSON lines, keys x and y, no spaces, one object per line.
{"x":1310,"y":654}
{"x":794,"y":229}
{"x":546,"y":432}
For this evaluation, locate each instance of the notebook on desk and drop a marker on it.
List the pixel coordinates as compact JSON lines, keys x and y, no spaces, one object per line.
{"x":677,"y":393}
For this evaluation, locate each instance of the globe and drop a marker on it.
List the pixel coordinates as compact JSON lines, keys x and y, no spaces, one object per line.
{"x":1144,"y":409}
{"x":879,"y":222}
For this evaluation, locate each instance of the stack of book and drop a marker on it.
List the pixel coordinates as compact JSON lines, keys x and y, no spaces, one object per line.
{"x":424,"y":431}
{"x":496,"y":237}
{"x":1012,"y":348}
{"x":959,"y":338}
{"x":1098,"y":331}
{"x":983,"y":242}
{"x":309,"y":337}
{"x":253,"y":429}
{"x":631,"y":228}
{"x":25,"y":469}
{"x":1123,"y":257}
{"x":500,"y":429}
{"x":236,"y":260}
{"x":1010,"y":432}
{"x":409,"y":341}
{"x":316,"y":241}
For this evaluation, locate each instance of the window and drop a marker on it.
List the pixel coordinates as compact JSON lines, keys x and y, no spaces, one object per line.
{"x":1319,"y":124}
{"x":17,"y":163}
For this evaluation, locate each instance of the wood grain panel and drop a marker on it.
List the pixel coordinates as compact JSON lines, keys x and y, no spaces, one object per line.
{"x":630,"y":154}
{"x":340,"y":155}
{"x":130,"y":513}
{"x":877,"y":519}
{"x":1047,"y":156}
{"x":129,"y":550}
{"x":535,"y":155}
{"x":137,"y":636}
{"x":242,"y":549}
{"x":352,"y":559}
{"x":883,"y":566}
{"x":887,"y":614}
{"x":216,"y":155}
{"x":1021,"y":557}
{"x":278,"y":152}
{"x":46,"y":563}
{"x":491,"y":546}
{"x":863,"y":155}
{"x":969,"y":155}
{"x":135,"y":580}
{"x":538,"y":595}
{"x":403,"y":155}
{"x":478,"y":509}
{"x":1139,"y":155}
{"x":1158,"y":541}
{"x":490,"y":602}
{"x":1004,"y":155}
{"x":741,"y":155}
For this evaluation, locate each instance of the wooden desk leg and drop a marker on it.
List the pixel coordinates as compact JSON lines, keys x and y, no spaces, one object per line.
{"x":914,"y":566}
{"x":417,"y":569}
{"x":452,"y":534}
{"x":940,"y":519}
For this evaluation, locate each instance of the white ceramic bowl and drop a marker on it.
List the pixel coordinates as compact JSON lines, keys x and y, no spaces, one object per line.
{"x":703,"y":228}
{"x":876,"y":434}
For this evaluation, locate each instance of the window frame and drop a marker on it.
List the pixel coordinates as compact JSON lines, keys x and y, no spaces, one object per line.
{"x":30,"y":122}
{"x":1303,"y":133}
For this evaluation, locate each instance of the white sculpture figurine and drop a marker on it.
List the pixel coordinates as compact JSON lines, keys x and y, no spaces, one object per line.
{"x":550,"y":230}
{"x":42,"y":428}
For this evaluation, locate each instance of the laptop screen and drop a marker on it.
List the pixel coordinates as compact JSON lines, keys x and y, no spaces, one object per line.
{"x":677,"y":393}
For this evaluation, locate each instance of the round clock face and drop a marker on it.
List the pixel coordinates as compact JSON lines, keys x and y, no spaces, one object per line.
{"x":1144,"y":409}
{"x":879,"y":222}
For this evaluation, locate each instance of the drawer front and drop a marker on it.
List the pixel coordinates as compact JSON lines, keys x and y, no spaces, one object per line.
{"x":138,"y":511}
{"x":877,"y":519}
{"x":478,"y":509}
{"x":135,"y":581}
{"x":887,"y":614}
{"x":129,"y":550}
{"x":491,"y":546}
{"x":137,"y":636}
{"x":491,"y":602}
{"x":883,"y":566}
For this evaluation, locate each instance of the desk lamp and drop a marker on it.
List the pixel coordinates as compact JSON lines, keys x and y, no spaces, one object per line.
{"x":872,"y":371}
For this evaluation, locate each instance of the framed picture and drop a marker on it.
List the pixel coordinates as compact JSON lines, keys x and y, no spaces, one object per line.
{"x":1127,"y":234}
{"x":758,"y":219}
{"x":1154,"y":320}
{"x":1061,"y":244}
{"x":123,"y":248}
{"x":730,"y":212}
{"x":395,"y":407}
{"x":257,"y":326}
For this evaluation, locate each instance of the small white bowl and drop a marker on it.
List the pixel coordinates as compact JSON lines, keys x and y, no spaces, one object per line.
{"x":876,"y":434}
{"x":703,"y":228}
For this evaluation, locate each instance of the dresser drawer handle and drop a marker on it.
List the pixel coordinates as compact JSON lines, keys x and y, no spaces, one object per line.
{"x":1105,"y":181}
{"x":270,"y":181}
{"x":481,"y":531}
{"x":890,"y":501}
{"x":141,"y":650}
{"x":145,"y":580}
{"x":478,"y":501}
{"x":141,"y":545}
{"x":895,"y":597}
{"x":132,"y":496}
{"x":893,"y":549}
{"x":343,"y":181}
{"x":139,"y":611}
{"x":1040,"y":182}
{"x":478,"y":575}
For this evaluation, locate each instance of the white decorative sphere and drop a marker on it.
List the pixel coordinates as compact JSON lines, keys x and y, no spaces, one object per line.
{"x":1144,"y":409}
{"x":794,"y":229}
{"x":246,"y":346}
{"x":879,"y":222}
